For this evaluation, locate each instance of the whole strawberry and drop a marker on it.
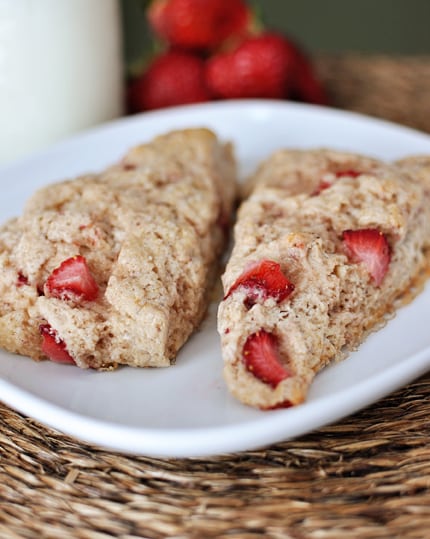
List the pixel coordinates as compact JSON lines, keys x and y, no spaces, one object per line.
{"x":173,"y":78}
{"x":261,"y":66}
{"x":198,"y":24}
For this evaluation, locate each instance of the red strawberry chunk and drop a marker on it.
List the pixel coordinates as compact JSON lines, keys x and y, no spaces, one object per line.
{"x":321,"y":187}
{"x":283,"y":404}
{"x":21,"y":280}
{"x":350,"y":172}
{"x":261,"y":358}
{"x":72,"y":280}
{"x":54,"y":347}
{"x":369,"y":247}
{"x":262,"y":280}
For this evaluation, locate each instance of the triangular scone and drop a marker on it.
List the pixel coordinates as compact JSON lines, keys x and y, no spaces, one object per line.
{"x":327,"y":246}
{"x":116,"y":268}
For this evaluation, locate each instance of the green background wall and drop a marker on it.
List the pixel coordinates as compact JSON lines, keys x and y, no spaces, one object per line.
{"x":389,"y":26}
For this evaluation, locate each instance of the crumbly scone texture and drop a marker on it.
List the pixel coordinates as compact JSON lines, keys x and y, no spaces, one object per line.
{"x":151,"y":230}
{"x":299,"y":205}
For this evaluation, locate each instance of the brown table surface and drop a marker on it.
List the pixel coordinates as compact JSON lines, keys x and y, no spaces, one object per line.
{"x":367,"y":476}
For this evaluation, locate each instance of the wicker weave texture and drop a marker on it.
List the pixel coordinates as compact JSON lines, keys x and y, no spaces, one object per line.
{"x":390,"y":87}
{"x":367,"y":476}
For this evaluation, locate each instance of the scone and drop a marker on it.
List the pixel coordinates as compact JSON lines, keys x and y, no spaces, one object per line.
{"x":327,"y":246}
{"x":116,"y":268}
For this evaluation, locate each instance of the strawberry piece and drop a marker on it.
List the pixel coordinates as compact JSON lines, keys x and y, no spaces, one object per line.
{"x":53,"y":347}
{"x":21,"y":280}
{"x":350,"y":172}
{"x":262,"y":280}
{"x":369,"y":247}
{"x":261,"y":358}
{"x":283,"y":404}
{"x":72,"y":280}
{"x":321,"y":187}
{"x":173,"y":78}
{"x":261,"y":66}
{"x":198,"y":24}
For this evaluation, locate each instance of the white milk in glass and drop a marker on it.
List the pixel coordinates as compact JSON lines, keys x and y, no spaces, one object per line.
{"x":60,"y":70}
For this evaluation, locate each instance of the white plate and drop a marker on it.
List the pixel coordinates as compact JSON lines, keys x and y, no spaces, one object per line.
{"x":186,"y":410}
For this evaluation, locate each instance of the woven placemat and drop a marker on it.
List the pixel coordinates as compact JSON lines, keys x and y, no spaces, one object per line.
{"x":367,"y":476}
{"x":396,"y":88}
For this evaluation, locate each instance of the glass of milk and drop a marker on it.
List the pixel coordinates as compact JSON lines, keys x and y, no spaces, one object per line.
{"x":60,"y":70}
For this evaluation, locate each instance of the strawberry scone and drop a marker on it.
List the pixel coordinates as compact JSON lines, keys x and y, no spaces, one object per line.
{"x":327,"y":246}
{"x":116,"y":268}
